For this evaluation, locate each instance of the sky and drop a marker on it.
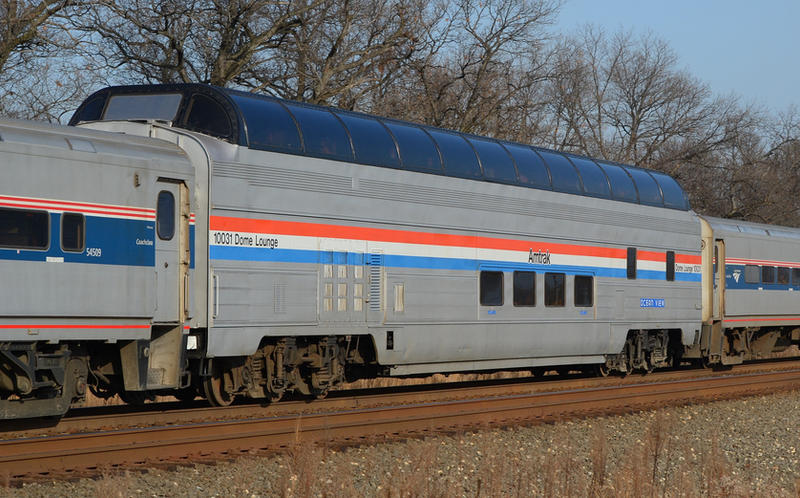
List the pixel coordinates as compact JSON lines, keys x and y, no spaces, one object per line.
{"x":747,"y":48}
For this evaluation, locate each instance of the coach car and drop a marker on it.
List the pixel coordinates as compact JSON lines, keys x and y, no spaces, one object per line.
{"x":751,"y":290}
{"x":95,"y":262}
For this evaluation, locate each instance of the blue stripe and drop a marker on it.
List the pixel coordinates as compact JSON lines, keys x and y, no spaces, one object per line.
{"x":398,"y":261}
{"x":114,"y":238}
{"x":731,"y":283}
{"x":191,"y":246}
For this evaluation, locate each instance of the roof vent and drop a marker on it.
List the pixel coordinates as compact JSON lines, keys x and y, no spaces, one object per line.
{"x":80,"y":145}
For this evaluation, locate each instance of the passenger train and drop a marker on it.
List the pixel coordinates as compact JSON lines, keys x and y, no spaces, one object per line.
{"x":191,"y":240}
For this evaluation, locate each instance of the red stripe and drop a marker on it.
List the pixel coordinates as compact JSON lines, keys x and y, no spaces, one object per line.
{"x":689,"y":259}
{"x":439,"y":239}
{"x":74,"y":326}
{"x":150,"y":216}
{"x":764,"y":262}
{"x":71,"y":203}
{"x":780,"y":319}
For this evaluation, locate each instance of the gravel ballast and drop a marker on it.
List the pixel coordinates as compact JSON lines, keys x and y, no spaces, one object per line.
{"x":728,"y":448}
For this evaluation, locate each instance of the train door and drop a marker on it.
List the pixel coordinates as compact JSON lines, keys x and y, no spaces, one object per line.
{"x":172,"y":252}
{"x":343,"y":285}
{"x":719,"y":279}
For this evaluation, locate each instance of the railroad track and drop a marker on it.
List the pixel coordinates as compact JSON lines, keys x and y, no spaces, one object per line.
{"x":340,"y":422}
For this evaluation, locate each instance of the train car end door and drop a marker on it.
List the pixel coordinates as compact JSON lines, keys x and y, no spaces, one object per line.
{"x":172,"y":252}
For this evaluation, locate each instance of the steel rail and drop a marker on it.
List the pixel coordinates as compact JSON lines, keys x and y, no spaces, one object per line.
{"x":120,"y":417}
{"x":28,"y":457}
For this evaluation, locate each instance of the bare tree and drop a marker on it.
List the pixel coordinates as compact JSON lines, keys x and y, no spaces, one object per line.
{"x":623,"y":98}
{"x":26,"y":29}
{"x":343,"y":50}
{"x":170,"y":41}
{"x":475,"y":66}
{"x":38,"y":79}
{"x":324,"y":51}
{"x":764,"y":173}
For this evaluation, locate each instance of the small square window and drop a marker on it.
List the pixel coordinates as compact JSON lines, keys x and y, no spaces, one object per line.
{"x":783,"y":275}
{"x":524,"y":288}
{"x":554,"y":287}
{"x":752,"y":274}
{"x":73,"y":226}
{"x":795,"y":276}
{"x":584,"y":291}
{"x":768,"y":274}
{"x":491,"y":288}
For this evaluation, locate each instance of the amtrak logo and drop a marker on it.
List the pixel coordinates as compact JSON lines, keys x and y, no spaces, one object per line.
{"x":539,"y":257}
{"x":736,"y":275}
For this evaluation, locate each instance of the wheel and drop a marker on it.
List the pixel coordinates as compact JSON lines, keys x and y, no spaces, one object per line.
{"x":602,"y":370}
{"x":648,"y":365}
{"x":627,"y":369}
{"x":214,"y":387}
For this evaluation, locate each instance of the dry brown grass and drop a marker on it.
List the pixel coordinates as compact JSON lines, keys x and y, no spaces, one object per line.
{"x":114,"y":485}
{"x":791,"y":351}
{"x":93,"y":401}
{"x":658,"y":465}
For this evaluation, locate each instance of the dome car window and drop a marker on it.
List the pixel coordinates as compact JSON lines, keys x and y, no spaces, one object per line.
{"x":497,"y":164}
{"x":459,"y":157}
{"x":207,"y":116}
{"x":372,"y":142}
{"x":92,"y":110}
{"x":163,"y":107}
{"x":674,"y":197}
{"x":530,"y":167}
{"x":417,"y":150}
{"x":269,"y":125}
{"x":649,"y":193}
{"x":323,"y":133}
{"x":594,"y":180}
{"x":565,"y":177}
{"x":622,"y":187}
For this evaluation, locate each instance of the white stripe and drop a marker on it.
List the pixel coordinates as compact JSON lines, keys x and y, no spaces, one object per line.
{"x":64,"y":206}
{"x":307,"y":243}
